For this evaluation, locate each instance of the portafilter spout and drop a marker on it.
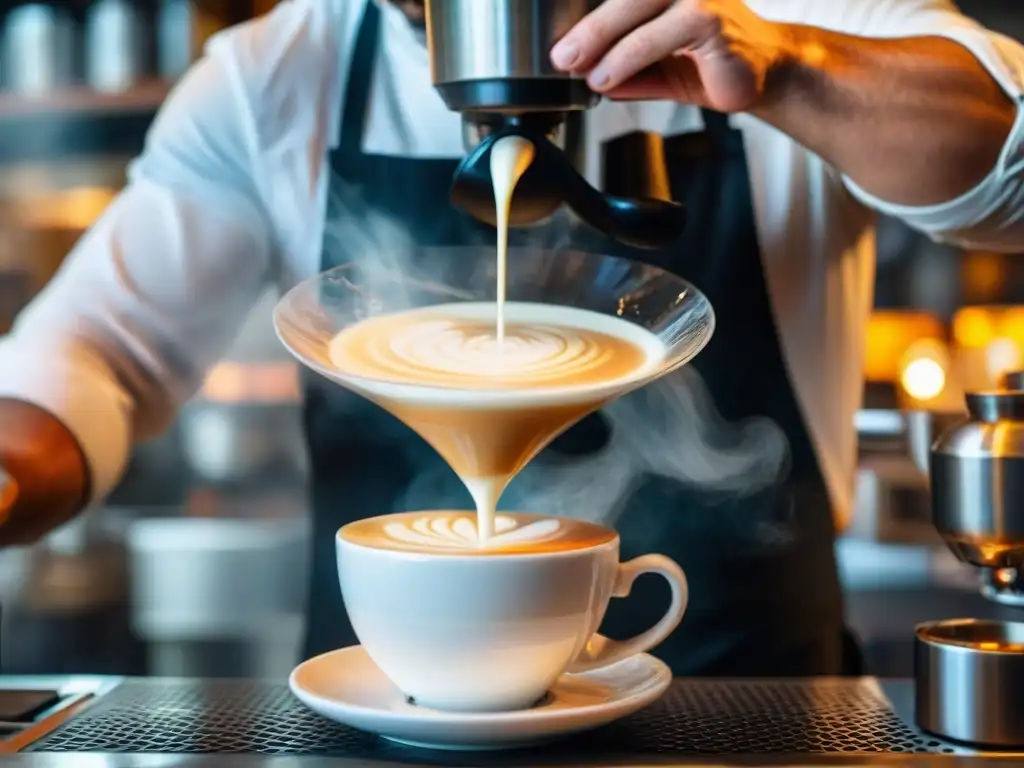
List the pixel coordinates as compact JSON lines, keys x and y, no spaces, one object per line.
{"x":551,"y":181}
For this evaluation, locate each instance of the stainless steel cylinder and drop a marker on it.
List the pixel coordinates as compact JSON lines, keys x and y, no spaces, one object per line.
{"x":977,"y":482}
{"x":115,"y":51}
{"x":176,"y":49}
{"x":969,"y":678}
{"x":482,"y":39}
{"x":37,"y":47}
{"x":494,"y":55}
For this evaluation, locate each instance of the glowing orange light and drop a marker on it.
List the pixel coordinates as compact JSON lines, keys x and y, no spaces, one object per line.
{"x":889,"y":334}
{"x":923,"y":372}
{"x":974,"y":326}
{"x":1002,"y":355}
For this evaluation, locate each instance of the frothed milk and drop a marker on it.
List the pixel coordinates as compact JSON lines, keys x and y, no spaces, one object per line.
{"x":489,"y":406}
{"x":489,"y":385}
{"x":510,"y":157}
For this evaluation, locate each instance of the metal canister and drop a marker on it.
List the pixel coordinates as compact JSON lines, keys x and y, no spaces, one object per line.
{"x":38,"y":49}
{"x":184,"y":27}
{"x":176,"y":46}
{"x":969,"y":678}
{"x":115,"y":45}
{"x":977,"y":481}
{"x":969,"y":673}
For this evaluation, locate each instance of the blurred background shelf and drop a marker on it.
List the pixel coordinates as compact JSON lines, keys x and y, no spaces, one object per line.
{"x":144,"y":97}
{"x":86,"y":77}
{"x":77,"y":122}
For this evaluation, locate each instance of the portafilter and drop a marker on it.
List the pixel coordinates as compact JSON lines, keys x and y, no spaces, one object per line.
{"x":490,"y":61}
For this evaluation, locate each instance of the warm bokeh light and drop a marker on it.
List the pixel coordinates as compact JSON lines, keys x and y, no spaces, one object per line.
{"x":1011,"y":325}
{"x":231,"y":382}
{"x":890,"y":334}
{"x":977,"y":327}
{"x":989,"y":342}
{"x":1002,"y":356}
{"x":1006,"y":576}
{"x":923,"y":379}
{"x":924,"y":369}
{"x":974,"y":326}
{"x":72,"y":209}
{"x":983,"y":274}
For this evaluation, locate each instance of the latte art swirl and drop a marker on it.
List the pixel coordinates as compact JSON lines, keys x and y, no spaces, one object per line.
{"x":457,"y":348}
{"x":442,"y":532}
{"x":488,"y":404}
{"x":455,"y":533}
{"x":457,"y":351}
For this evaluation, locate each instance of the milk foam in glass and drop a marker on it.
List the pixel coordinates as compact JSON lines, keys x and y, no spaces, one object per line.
{"x":488,"y":406}
{"x":489,"y":385}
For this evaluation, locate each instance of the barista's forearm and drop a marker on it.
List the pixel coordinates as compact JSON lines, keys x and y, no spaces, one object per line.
{"x":914,"y":121}
{"x":48,"y":466}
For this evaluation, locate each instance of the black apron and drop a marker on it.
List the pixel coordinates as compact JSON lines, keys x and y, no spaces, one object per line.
{"x":765,"y":597}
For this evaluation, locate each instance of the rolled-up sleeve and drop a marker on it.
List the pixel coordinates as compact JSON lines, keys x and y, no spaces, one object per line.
{"x":991,"y":215}
{"x":154,"y":293}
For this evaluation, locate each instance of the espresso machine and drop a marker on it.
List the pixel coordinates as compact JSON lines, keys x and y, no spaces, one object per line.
{"x":490,"y":62}
{"x":970,"y":672}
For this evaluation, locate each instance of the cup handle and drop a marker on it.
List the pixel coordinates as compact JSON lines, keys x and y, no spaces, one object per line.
{"x":601,"y":651}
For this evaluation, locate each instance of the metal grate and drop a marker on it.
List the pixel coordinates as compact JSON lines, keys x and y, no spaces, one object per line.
{"x":695,"y":717}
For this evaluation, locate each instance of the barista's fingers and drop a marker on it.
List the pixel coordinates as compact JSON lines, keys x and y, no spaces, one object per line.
{"x":585,"y":44}
{"x":676,"y":78}
{"x":680,"y":28}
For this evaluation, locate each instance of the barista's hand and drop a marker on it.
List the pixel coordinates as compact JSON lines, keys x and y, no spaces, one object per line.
{"x":8,"y":495}
{"x":713,"y":53}
{"x":45,"y":480}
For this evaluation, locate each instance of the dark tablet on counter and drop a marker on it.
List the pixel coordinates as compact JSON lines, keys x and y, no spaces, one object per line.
{"x":22,"y":706}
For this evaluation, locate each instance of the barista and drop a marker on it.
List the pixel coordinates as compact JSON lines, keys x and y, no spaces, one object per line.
{"x":781,"y":138}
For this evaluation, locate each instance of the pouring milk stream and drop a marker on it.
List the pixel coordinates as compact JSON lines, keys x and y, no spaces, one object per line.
{"x":510,"y":158}
{"x":489,"y":385}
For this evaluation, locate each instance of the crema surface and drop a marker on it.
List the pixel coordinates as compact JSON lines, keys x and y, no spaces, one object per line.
{"x":454,"y":532}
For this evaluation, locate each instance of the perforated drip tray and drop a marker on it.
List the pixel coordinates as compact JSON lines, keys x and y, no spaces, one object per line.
{"x":696,"y":717}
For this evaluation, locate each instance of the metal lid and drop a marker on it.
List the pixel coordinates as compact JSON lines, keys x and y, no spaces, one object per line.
{"x":992,"y":407}
{"x":980,"y":635}
{"x":1012,"y":381}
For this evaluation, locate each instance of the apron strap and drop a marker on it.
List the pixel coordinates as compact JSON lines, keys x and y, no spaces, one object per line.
{"x":360,"y":78}
{"x":715,"y":123}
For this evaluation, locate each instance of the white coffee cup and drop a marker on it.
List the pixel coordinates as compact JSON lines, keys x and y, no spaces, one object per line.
{"x":491,"y":632}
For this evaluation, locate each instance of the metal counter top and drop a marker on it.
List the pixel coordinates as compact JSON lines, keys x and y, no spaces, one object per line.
{"x":148,"y":722}
{"x":258,"y":761}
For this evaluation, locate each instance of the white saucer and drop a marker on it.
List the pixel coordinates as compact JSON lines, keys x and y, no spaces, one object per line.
{"x":346,"y":686}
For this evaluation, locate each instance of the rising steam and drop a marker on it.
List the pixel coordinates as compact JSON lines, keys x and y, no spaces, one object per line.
{"x":354,"y":230}
{"x":670,"y":428}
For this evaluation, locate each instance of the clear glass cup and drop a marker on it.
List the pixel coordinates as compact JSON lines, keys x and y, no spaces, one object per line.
{"x":310,"y":315}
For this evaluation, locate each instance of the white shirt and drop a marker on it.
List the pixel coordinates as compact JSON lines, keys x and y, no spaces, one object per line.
{"x":229,"y":196}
